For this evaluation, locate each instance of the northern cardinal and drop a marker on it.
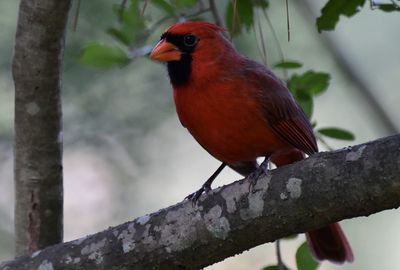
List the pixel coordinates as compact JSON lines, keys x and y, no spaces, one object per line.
{"x":238,"y":110}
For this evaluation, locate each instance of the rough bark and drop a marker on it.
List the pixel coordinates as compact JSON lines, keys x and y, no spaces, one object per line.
{"x":37,"y":64}
{"x":328,"y":187}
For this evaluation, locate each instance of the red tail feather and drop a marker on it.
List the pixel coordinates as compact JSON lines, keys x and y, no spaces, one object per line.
{"x":330,"y":243}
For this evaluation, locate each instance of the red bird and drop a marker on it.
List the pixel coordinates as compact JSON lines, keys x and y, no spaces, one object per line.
{"x":238,"y":110}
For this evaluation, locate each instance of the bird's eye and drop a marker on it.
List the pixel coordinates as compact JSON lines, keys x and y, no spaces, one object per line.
{"x":190,"y":40}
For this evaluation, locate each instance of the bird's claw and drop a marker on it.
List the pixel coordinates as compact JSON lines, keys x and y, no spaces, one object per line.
{"x":253,"y":177}
{"x":194,"y":197}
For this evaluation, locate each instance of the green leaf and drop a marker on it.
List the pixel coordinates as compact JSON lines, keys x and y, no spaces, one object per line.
{"x":288,"y":65}
{"x":261,"y":3}
{"x":165,"y":6}
{"x":244,"y":16}
{"x":184,"y":3}
{"x":313,"y":124}
{"x":271,"y":267}
{"x":121,"y":36}
{"x":388,"y":7}
{"x":132,"y":28}
{"x":304,"y":260}
{"x":275,"y":267}
{"x":331,"y":12}
{"x":102,"y":56}
{"x":337,"y":133}
{"x":306,"y":103}
{"x":311,"y":83}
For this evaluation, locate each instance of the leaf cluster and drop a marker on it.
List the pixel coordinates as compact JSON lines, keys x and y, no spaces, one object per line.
{"x":305,"y":87}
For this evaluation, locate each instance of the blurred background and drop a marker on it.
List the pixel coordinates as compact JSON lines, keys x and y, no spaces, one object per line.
{"x":126,"y":154}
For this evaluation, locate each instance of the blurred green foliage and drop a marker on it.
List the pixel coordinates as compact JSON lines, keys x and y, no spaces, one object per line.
{"x":337,"y":133}
{"x":304,"y":261}
{"x":103,"y":56}
{"x":333,"y":9}
{"x":288,"y":64}
{"x":307,"y":85}
{"x":242,"y":15}
{"x":131,"y":23}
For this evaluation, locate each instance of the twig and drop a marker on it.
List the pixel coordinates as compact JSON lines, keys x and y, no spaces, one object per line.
{"x":121,"y":10}
{"x":134,"y":52}
{"x":76,"y":16}
{"x":235,"y":17}
{"x":319,"y":138}
{"x":280,"y":263}
{"x":215,"y":13}
{"x":280,"y":51}
{"x":261,"y":51}
{"x":197,"y":13}
{"x":395,"y":4}
{"x":201,"y":4}
{"x":144,"y":8}
{"x":287,"y":20}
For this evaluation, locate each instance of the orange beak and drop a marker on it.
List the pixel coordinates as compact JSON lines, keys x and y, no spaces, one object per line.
{"x":165,"y":52}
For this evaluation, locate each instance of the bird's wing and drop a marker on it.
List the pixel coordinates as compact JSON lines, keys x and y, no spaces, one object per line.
{"x":284,"y":115}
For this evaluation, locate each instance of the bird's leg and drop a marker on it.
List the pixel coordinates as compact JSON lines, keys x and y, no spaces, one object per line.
{"x":263,"y":168}
{"x":206,"y":187}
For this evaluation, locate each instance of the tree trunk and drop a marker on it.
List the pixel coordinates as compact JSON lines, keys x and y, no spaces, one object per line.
{"x":37,"y":68}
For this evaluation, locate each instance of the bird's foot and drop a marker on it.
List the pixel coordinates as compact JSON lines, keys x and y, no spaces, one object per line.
{"x":255,"y":175}
{"x":194,"y":197}
{"x":206,"y":187}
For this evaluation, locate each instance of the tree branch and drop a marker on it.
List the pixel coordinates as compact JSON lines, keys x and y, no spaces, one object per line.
{"x":328,"y":187}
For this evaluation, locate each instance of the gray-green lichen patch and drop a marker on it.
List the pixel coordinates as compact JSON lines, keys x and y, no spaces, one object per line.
{"x":180,"y":229}
{"x":355,"y":155}
{"x":94,"y":251}
{"x":256,"y":206}
{"x":148,"y":239}
{"x":46,"y":265}
{"x":143,"y":219}
{"x":217,"y":225}
{"x":32,"y":108}
{"x":126,"y":236}
{"x":70,"y":260}
{"x":255,"y":198}
{"x":293,"y":187}
{"x":232,"y":194}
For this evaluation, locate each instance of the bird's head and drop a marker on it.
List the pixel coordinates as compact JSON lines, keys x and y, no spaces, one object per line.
{"x":186,"y":38}
{"x":187,"y":46}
